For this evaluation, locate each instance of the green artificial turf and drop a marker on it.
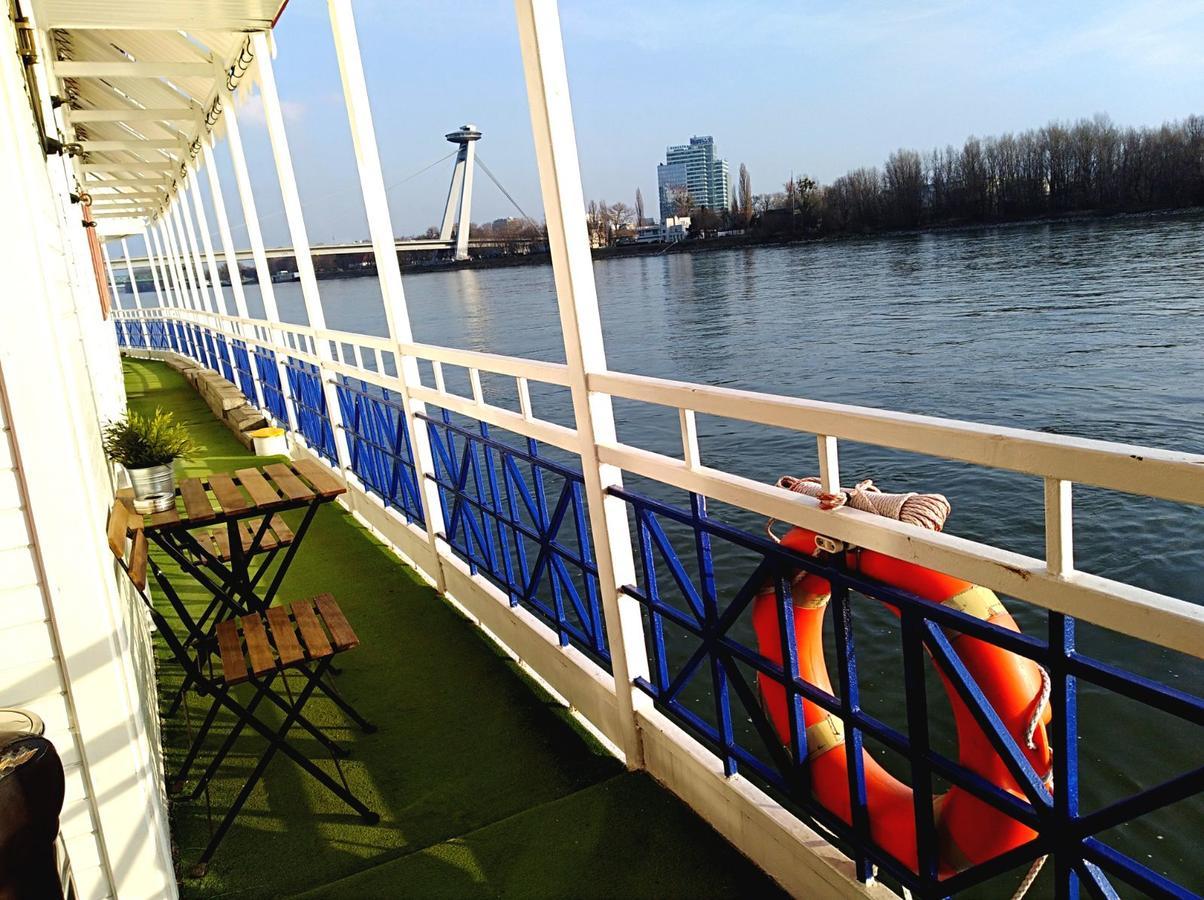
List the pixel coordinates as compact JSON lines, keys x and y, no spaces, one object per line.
{"x":485,"y":785}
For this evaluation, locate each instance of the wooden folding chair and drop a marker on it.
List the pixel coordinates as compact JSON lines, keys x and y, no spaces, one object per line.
{"x":257,"y":649}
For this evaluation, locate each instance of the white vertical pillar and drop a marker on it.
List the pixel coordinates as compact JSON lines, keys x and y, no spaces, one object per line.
{"x":191,"y":250}
{"x":104,"y":251}
{"x":1059,"y":527}
{"x":179,"y":252}
{"x":220,"y":309}
{"x":274,"y":117}
{"x":183,"y":299}
{"x":232,"y":269}
{"x":159,"y":263}
{"x":150,"y":259}
{"x":453,"y":197}
{"x":223,"y":230}
{"x":129,"y":268}
{"x":572,"y":266}
{"x":177,"y":278}
{"x":206,"y":241}
{"x":242,"y":179}
{"x":384,"y":248}
{"x":463,"y":223}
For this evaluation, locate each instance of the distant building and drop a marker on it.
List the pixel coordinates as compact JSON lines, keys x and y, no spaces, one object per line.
{"x":692,"y":169}
{"x":675,"y":228}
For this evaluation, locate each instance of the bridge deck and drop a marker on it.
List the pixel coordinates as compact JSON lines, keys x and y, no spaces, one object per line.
{"x":485,"y":786}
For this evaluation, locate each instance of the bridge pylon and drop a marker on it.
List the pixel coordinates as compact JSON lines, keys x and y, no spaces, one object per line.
{"x":459,"y":198}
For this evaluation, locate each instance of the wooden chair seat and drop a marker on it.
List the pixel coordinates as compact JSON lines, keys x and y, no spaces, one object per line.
{"x":304,"y":631}
{"x":217,"y":540}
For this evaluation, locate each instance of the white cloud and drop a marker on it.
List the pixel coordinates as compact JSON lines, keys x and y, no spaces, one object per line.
{"x":251,"y":110}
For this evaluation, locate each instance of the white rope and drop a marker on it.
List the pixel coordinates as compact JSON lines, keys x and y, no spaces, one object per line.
{"x":922,"y":510}
{"x":1029,"y":879}
{"x":1038,"y":708}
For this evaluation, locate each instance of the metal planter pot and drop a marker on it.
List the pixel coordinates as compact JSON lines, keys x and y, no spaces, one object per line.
{"x":155,"y":480}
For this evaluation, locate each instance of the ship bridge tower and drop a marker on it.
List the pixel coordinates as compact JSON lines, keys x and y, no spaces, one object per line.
{"x":459,"y":198}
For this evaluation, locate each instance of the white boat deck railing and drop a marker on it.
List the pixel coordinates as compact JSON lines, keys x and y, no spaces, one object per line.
{"x":1052,"y":583}
{"x":451,"y":500}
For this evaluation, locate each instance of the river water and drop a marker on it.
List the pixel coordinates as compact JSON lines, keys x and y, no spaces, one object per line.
{"x":1087,"y":328}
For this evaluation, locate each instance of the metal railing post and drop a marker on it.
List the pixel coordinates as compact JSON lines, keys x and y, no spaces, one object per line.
{"x":173,"y":270}
{"x":129,"y":268}
{"x":216,"y":299}
{"x":166,"y":300}
{"x":572,"y":266}
{"x":231,"y":257}
{"x":242,"y":179}
{"x":189,"y":245}
{"x":261,"y":44}
{"x":160,"y":300}
{"x":384,"y":248}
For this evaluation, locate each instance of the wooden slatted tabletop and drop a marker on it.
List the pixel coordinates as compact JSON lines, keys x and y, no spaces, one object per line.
{"x":217,"y":498}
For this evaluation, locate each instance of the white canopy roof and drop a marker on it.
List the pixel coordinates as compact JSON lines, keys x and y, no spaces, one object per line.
{"x":142,"y":80}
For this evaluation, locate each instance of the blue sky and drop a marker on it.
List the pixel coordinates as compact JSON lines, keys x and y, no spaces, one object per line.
{"x":805,"y":87}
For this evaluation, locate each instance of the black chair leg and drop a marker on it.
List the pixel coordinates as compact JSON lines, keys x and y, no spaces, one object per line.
{"x":277,"y":741}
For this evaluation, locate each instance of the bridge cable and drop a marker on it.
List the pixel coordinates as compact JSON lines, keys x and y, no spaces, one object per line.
{"x":388,"y":187}
{"x":493,"y":178}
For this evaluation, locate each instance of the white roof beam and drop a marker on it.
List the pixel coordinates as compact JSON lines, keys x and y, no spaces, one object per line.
{"x":159,"y":182}
{"x":131,"y":166}
{"x":87,"y":69}
{"x":128,"y":195}
{"x":141,"y":144}
{"x":135,"y":114}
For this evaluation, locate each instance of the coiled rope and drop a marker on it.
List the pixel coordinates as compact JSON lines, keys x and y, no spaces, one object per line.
{"x":922,"y":510}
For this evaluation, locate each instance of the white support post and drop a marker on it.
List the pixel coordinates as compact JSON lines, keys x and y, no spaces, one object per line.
{"x":829,"y":463}
{"x":204,"y":289}
{"x":274,"y":116}
{"x":453,"y":196}
{"x":158,"y":269}
{"x":690,"y":453}
{"x":463,"y":224}
{"x":183,"y":289}
{"x":231,"y":257}
{"x":112,"y":281}
{"x":380,"y":229}
{"x":170,"y":280}
{"x":192,"y":250}
{"x":179,"y":250}
{"x":1059,"y":528}
{"x":129,"y":268}
{"x":215,"y":281}
{"x":572,"y":266}
{"x":206,"y":241}
{"x":242,"y":180}
{"x":150,"y":260}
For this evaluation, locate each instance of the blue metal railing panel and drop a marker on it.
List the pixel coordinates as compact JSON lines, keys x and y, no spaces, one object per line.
{"x":223,"y":357}
{"x":269,"y":383}
{"x":242,"y":368}
{"x":520,"y":520}
{"x":682,"y":609}
{"x":309,"y":403}
{"x":379,"y":445}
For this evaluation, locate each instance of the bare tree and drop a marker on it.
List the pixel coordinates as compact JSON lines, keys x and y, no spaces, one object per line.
{"x":620,"y":215}
{"x":904,"y":188}
{"x":683,"y":203}
{"x":744,"y":195}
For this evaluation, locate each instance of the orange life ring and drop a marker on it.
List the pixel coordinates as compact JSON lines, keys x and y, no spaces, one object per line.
{"x":969,"y":830}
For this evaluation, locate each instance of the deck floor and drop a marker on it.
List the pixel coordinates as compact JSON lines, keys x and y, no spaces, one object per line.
{"x":485,"y":786}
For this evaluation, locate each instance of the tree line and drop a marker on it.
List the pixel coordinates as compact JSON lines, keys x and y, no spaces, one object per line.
{"x":1088,"y":166}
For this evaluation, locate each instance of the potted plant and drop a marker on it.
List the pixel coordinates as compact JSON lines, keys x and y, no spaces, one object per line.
{"x":147,"y":446}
